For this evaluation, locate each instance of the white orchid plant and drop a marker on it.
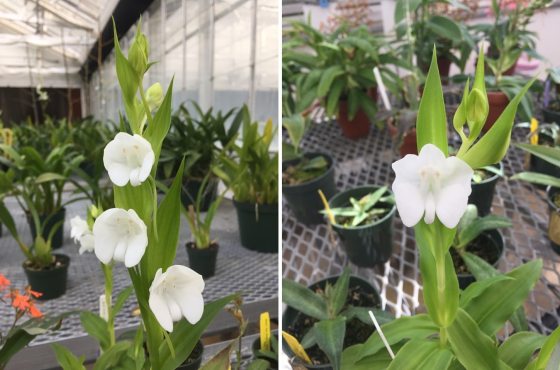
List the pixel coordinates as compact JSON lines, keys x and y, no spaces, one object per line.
{"x":431,"y":190}
{"x":143,"y":233}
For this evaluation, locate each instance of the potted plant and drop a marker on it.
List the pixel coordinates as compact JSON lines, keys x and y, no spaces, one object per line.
{"x":484,"y":182}
{"x":339,"y":73}
{"x":363,"y":219}
{"x":202,"y":249}
{"x":552,"y":156}
{"x":548,"y":135}
{"x":327,"y":317}
{"x":551,"y":99}
{"x":479,"y":237}
{"x":252,"y":176}
{"x":265,"y":347}
{"x":304,"y":174}
{"x":199,"y":137}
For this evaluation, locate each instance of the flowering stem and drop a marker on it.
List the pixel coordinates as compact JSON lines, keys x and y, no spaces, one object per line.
{"x":108,"y":274}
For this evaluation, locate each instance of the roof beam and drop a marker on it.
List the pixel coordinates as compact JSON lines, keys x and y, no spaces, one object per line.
{"x":44,"y":40}
{"x":67,"y":15}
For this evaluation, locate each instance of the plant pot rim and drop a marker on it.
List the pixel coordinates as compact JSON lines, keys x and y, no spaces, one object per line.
{"x":213,"y":246}
{"x":315,"y":179}
{"x":387,"y":216}
{"x":547,"y":109}
{"x":492,"y":178}
{"x":63,"y":258}
{"x":550,"y":191}
{"x":487,"y":232}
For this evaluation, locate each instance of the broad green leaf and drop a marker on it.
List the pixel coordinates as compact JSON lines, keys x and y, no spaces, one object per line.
{"x":421,"y":354}
{"x":303,"y":299}
{"x":156,"y":132}
{"x":121,"y":299}
{"x":139,"y":198}
{"x":185,"y":335}
{"x":339,"y":293}
{"x":549,"y":154}
{"x":518,"y":349}
{"x":49,"y":176}
{"x":473,"y":348}
{"x":259,"y":364}
{"x":492,"y":147}
{"x":295,"y":125}
{"x":327,"y":79}
{"x":445,"y":28}
{"x":97,"y":328}
{"x":478,"y":226}
{"x":112,"y":357}
{"x":431,"y":124}
{"x":549,"y":346}
{"x":362,"y":314}
{"x":460,"y":116}
{"x":491,"y":309}
{"x":333,"y":97}
{"x":537,"y":178}
{"x":66,"y":359}
{"x":478,"y":287}
{"x":330,"y":338}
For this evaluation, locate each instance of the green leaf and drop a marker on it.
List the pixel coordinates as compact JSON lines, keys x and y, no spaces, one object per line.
{"x":121,"y":299}
{"x":157,"y":130}
{"x":478,"y":226}
{"x":549,"y":154}
{"x":110,"y":358}
{"x":97,"y":328}
{"x":445,"y":28}
{"x":66,"y":359}
{"x":491,"y":309}
{"x":518,"y":349}
{"x":185,"y":335}
{"x":330,"y":338}
{"x":303,"y":299}
{"x":48,"y":177}
{"x":537,"y":178}
{"x":138,"y":198}
{"x":492,"y":147}
{"x":431,"y":124}
{"x":333,"y":97}
{"x":478,"y":287}
{"x":339,"y":293}
{"x":421,"y":354}
{"x":549,"y":346}
{"x":221,"y":361}
{"x":473,"y":348}
{"x":327,"y":79}
{"x":259,"y":364}
{"x":460,"y":116}
{"x":295,"y":125}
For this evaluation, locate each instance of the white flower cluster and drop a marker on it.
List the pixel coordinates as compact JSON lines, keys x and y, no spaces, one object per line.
{"x":120,"y":235}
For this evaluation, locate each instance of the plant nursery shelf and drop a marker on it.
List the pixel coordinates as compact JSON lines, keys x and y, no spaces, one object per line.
{"x":238,"y":270}
{"x":312,"y":253}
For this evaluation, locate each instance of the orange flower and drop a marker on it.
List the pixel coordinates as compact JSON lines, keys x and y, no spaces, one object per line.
{"x":19,"y":301}
{"x":34,"y":311}
{"x":33,"y":293}
{"x":4,"y":282}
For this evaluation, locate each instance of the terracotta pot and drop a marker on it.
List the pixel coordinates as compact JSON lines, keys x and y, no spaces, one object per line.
{"x":356,"y":128}
{"x":497,"y":102}
{"x":408,"y":145}
{"x":444,"y":64}
{"x":373,"y":94}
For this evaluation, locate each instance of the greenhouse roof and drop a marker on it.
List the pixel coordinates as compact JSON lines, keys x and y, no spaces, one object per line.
{"x":46,"y":42}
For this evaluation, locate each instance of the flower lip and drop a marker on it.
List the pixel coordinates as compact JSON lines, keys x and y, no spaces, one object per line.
{"x":128,"y":158}
{"x":363,"y":190}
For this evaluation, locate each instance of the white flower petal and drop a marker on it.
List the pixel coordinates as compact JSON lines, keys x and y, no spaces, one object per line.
{"x":161,"y":311}
{"x":79,"y":227}
{"x":174,"y":309}
{"x":432,"y":155}
{"x":128,"y":158}
{"x":410,"y":202}
{"x":430,"y":209}
{"x":452,"y":203}
{"x":135,"y":250}
{"x":407,"y":168}
{"x":87,"y":243}
{"x":192,"y":304}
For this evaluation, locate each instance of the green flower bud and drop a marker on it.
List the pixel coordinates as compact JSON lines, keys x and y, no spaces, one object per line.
{"x":476,"y":111}
{"x":138,"y":53}
{"x":154,"y":96}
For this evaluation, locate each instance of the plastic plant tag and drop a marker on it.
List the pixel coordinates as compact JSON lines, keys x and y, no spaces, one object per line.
{"x":296,"y":347}
{"x":265,"y":331}
{"x":104,"y":307}
{"x":534,"y":128}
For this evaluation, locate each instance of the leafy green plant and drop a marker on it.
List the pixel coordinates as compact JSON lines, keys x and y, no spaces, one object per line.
{"x":363,"y":211}
{"x":252,"y":172}
{"x":549,"y":154}
{"x":331,"y":311}
{"x":551,"y":96}
{"x":199,"y":137}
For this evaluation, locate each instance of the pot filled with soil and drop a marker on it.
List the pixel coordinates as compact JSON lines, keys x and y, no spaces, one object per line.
{"x":356,"y":128}
{"x":191,"y":187}
{"x":497,"y":103}
{"x":302,"y":179}
{"x":483,"y":185}
{"x":258,"y":226}
{"x":554,"y":219}
{"x":551,"y":116}
{"x":203,"y":260}
{"x":370,"y":242}
{"x":257,"y":354}
{"x":360,"y":294}
{"x":538,"y":164}
{"x":408,"y":145}
{"x":489,"y":246}
{"x":49,"y":222}
{"x":50,"y":280}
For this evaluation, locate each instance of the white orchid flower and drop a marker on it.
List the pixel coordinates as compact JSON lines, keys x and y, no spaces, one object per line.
{"x":284,"y":362}
{"x":429,"y":184}
{"x":176,"y":293}
{"x":121,"y":236}
{"x":81,"y":234}
{"x":128,"y":158}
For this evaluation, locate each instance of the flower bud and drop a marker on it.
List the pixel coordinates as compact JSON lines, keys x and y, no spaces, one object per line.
{"x":154,"y":96}
{"x":138,"y":53}
{"x":476,"y":111}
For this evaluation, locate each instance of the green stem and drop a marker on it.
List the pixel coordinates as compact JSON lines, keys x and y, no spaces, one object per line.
{"x":146,"y":108}
{"x":108,"y":274}
{"x":442,"y":337}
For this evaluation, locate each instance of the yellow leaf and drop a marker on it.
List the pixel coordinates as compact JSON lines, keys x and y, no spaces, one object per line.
{"x":534,"y":128}
{"x":296,"y":347}
{"x":265,"y":331}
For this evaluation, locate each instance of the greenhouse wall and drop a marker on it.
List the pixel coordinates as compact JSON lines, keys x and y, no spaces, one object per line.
{"x":211,"y":49}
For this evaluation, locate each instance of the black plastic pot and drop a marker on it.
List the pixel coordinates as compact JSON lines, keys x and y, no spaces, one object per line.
{"x":497,"y":243}
{"x":52,"y":282}
{"x":57,"y":218}
{"x":304,"y":199}
{"x":196,"y":360}
{"x":540,"y":165}
{"x":258,"y":226}
{"x":482,"y":193}
{"x":255,"y":347}
{"x":367,"y":245}
{"x":291,"y":315}
{"x":203,"y":261}
{"x":554,"y":219}
{"x":191,"y":187}
{"x":551,"y":116}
